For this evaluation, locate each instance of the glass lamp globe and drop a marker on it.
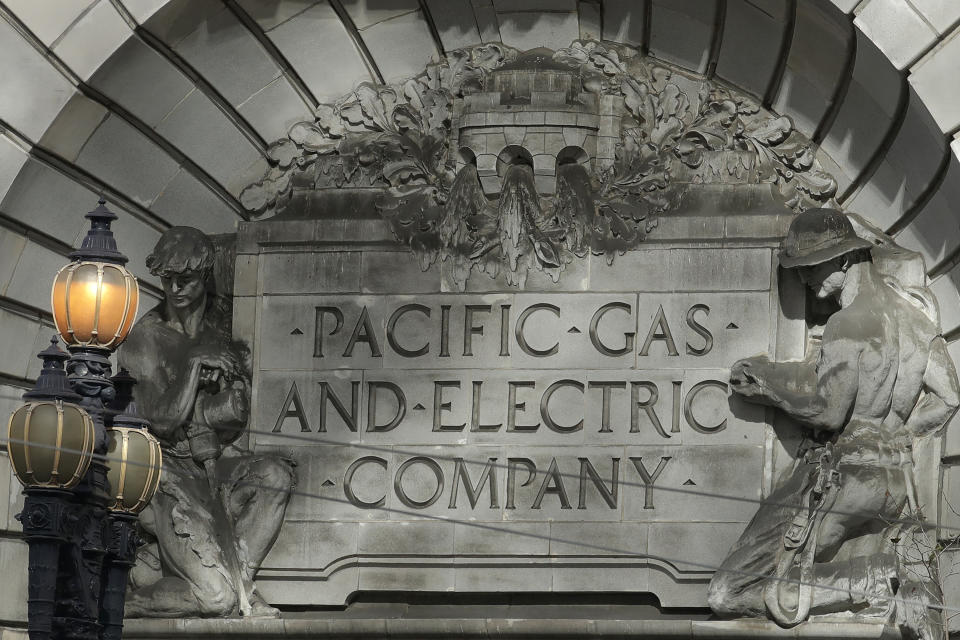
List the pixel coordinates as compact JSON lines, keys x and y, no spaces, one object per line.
{"x":50,"y":444}
{"x":50,"y":440}
{"x":94,"y":303}
{"x":135,"y":465}
{"x":95,"y":298}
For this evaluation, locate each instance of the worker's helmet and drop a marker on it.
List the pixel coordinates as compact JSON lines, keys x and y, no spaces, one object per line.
{"x":818,"y":235}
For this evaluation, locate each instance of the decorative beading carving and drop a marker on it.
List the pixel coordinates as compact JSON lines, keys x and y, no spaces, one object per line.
{"x":500,"y":161}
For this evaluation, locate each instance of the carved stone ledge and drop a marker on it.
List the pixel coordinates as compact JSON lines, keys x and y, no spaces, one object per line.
{"x":504,"y":629}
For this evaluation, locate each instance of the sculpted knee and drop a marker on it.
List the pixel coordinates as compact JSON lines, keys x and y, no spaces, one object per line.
{"x":718,"y":596}
{"x":217,"y":598}
{"x":275,"y":473}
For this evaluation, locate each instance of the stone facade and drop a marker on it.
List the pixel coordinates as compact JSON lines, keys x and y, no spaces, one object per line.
{"x":872,"y":88}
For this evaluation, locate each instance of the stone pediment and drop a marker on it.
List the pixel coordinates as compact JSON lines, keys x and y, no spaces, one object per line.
{"x":504,"y":161}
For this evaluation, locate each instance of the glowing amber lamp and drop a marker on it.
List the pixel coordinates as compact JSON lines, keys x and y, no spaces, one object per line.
{"x":94,"y":303}
{"x":135,"y":464}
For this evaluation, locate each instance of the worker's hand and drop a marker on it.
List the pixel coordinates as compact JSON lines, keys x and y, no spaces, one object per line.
{"x":748,"y":377}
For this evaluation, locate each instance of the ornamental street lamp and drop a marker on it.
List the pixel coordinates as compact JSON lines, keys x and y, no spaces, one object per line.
{"x":87,"y":462}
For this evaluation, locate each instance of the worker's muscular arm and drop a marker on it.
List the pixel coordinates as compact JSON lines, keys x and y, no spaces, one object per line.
{"x":825,"y":405}
{"x":941,"y":392}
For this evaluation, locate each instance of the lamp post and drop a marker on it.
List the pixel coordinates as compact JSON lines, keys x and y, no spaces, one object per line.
{"x":87,"y":462}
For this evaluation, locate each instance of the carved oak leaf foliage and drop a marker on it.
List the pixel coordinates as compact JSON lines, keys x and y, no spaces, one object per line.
{"x":401,"y":138}
{"x":371,"y":108}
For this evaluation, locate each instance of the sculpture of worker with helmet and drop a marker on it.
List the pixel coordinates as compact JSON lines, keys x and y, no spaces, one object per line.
{"x":821,"y":542}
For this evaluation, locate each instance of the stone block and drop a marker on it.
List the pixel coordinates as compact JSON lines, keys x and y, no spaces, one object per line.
{"x":14,"y":555}
{"x":906,"y":170}
{"x":574,"y":136}
{"x":934,"y":79}
{"x":951,"y":440}
{"x":501,"y":118}
{"x":302,"y":544}
{"x":11,"y":246}
{"x":91,"y":39}
{"x":245,"y":320}
{"x":409,"y":541}
{"x":661,"y":270}
{"x":487,"y":163}
{"x":588,"y":120}
{"x":127,"y":160}
{"x":511,"y":135}
{"x":947,"y":292}
{"x":525,"y":539}
{"x":682,"y":31}
{"x":896,"y":28}
{"x":12,"y":159}
{"x":846,"y":6}
{"x":176,"y":19}
{"x":623,"y":21}
{"x":302,"y":272}
{"x":199,"y":129}
{"x":534,"y":5}
{"x":19,"y":341}
{"x":529,"y":30}
{"x":545,"y":164}
{"x":607,"y":147}
{"x":487,"y":23}
{"x":949,"y":511}
{"x":455,"y":22}
{"x":272,"y":13}
{"x":609,"y":126}
{"x":7,"y":479}
{"x":473,"y":120}
{"x":942,"y":14}
{"x":560,"y":118}
{"x":36,"y":264}
{"x":48,"y":20}
{"x":296,"y":39}
{"x":73,"y":127}
{"x":365,"y":13}
{"x":397,"y":272}
{"x":950,"y":572}
{"x":41,"y":342}
{"x":733,"y":488}
{"x":867,"y":112}
{"x":545,"y":99}
{"x":187,"y":201}
{"x":751,"y":44}
{"x":142,"y":81}
{"x":694,"y":547}
{"x":229,"y":57}
{"x":553,"y":143}
{"x":818,"y":55}
{"x":529,"y":117}
{"x":692,"y":407}
{"x":34,"y":92}
{"x":490,"y":183}
{"x":533,"y":143}
{"x":591,"y":21}
{"x":284,"y":316}
{"x":246,"y":280}
{"x":401,"y":46}
{"x":935,"y":232}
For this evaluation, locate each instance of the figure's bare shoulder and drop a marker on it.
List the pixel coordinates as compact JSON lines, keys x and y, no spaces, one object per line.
{"x":143,"y":338}
{"x":856,"y":324}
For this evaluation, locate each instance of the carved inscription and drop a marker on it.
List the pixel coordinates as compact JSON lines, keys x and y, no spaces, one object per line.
{"x":603,"y":393}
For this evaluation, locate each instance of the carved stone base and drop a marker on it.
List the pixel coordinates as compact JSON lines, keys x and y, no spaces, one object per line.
{"x":411,"y":628}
